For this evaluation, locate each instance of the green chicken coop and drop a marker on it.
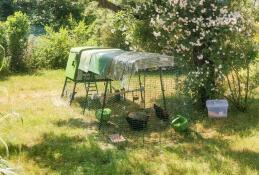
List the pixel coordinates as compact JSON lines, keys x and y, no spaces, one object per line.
{"x":72,"y":72}
{"x":90,"y":65}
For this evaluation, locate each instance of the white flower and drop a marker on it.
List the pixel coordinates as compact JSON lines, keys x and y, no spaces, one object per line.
{"x":159,"y":21}
{"x":203,"y":11}
{"x":157,"y":34}
{"x":200,"y":57}
{"x":152,"y":21}
{"x":201,"y":2}
{"x":113,"y":30}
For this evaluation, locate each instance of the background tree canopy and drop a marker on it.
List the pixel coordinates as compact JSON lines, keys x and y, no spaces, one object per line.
{"x":210,"y":39}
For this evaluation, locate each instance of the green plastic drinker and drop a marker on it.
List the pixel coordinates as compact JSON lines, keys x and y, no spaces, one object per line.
{"x":180,"y":123}
{"x":106,"y":114}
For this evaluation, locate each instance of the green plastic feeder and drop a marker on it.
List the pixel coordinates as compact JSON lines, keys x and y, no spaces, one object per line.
{"x":106,"y":114}
{"x":180,"y":123}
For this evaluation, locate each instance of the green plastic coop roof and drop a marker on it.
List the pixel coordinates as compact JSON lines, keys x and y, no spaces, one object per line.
{"x":115,"y":63}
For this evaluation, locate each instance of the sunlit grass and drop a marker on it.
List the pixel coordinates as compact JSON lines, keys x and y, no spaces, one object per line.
{"x":57,"y":139}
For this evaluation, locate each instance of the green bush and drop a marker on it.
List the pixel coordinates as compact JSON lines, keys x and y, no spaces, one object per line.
{"x":127,"y":32}
{"x":114,"y":39}
{"x":3,"y":41}
{"x":2,"y":56}
{"x":52,"y":49}
{"x":80,"y":34}
{"x":17,"y":28}
{"x":4,"y":61}
{"x":111,"y":37}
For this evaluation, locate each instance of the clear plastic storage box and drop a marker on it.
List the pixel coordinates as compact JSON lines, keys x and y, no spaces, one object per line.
{"x":217,"y":108}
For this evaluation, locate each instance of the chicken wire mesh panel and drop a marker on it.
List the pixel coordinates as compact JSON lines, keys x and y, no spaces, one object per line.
{"x":138,"y":112}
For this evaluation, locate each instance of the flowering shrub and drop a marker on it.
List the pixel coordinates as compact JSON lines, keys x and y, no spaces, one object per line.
{"x":208,"y":38}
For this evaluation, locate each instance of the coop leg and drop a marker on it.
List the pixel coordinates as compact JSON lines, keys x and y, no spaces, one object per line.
{"x":86,"y":96}
{"x":143,"y":138}
{"x":64,"y":87}
{"x":140,"y":86}
{"x":162,"y":87}
{"x":110,"y":86}
{"x":96,"y":87}
{"x":104,"y":103}
{"x":177,"y":82}
{"x":123,"y":94}
{"x":73,"y":94}
{"x":144,"y":90}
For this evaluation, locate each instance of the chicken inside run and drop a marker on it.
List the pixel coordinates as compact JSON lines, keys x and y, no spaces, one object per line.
{"x":137,"y":110}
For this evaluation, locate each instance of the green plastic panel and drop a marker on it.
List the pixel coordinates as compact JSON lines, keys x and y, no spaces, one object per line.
{"x":72,"y":71}
{"x":72,"y":64}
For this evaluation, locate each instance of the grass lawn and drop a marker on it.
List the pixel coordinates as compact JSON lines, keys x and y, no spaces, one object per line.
{"x":57,"y":139}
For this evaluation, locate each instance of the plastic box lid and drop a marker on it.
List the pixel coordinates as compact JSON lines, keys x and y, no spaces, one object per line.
{"x":216,"y":103}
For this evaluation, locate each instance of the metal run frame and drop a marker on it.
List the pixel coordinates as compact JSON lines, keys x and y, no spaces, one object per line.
{"x":142,"y":91}
{"x":85,"y":81}
{"x":107,"y":82}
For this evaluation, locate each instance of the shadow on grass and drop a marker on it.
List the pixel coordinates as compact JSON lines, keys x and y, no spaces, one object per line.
{"x":63,"y":154}
{"x":117,"y":106}
{"x":245,"y":158}
{"x":76,"y":155}
{"x":76,"y":123}
{"x":213,"y":151}
{"x":3,"y":78}
{"x":4,"y":75}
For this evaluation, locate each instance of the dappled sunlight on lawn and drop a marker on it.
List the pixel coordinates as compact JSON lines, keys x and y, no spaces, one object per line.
{"x":57,"y":139}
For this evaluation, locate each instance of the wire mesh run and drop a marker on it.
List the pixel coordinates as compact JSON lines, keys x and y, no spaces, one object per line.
{"x":137,"y":110}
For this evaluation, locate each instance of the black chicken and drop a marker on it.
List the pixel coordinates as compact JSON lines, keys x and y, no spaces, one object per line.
{"x":161,"y":113}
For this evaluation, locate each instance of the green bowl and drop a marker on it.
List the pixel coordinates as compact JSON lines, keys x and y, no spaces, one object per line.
{"x":180,"y":123}
{"x":106,"y":114}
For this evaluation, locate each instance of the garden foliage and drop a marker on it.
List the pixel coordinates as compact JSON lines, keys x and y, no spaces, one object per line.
{"x":6,"y":9}
{"x":53,"y":13}
{"x":17,"y":30}
{"x":212,"y":41}
{"x":51,"y":50}
{"x":3,"y":41}
{"x":209,"y":39}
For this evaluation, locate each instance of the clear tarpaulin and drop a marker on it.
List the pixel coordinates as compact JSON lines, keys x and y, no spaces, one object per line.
{"x":115,"y":63}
